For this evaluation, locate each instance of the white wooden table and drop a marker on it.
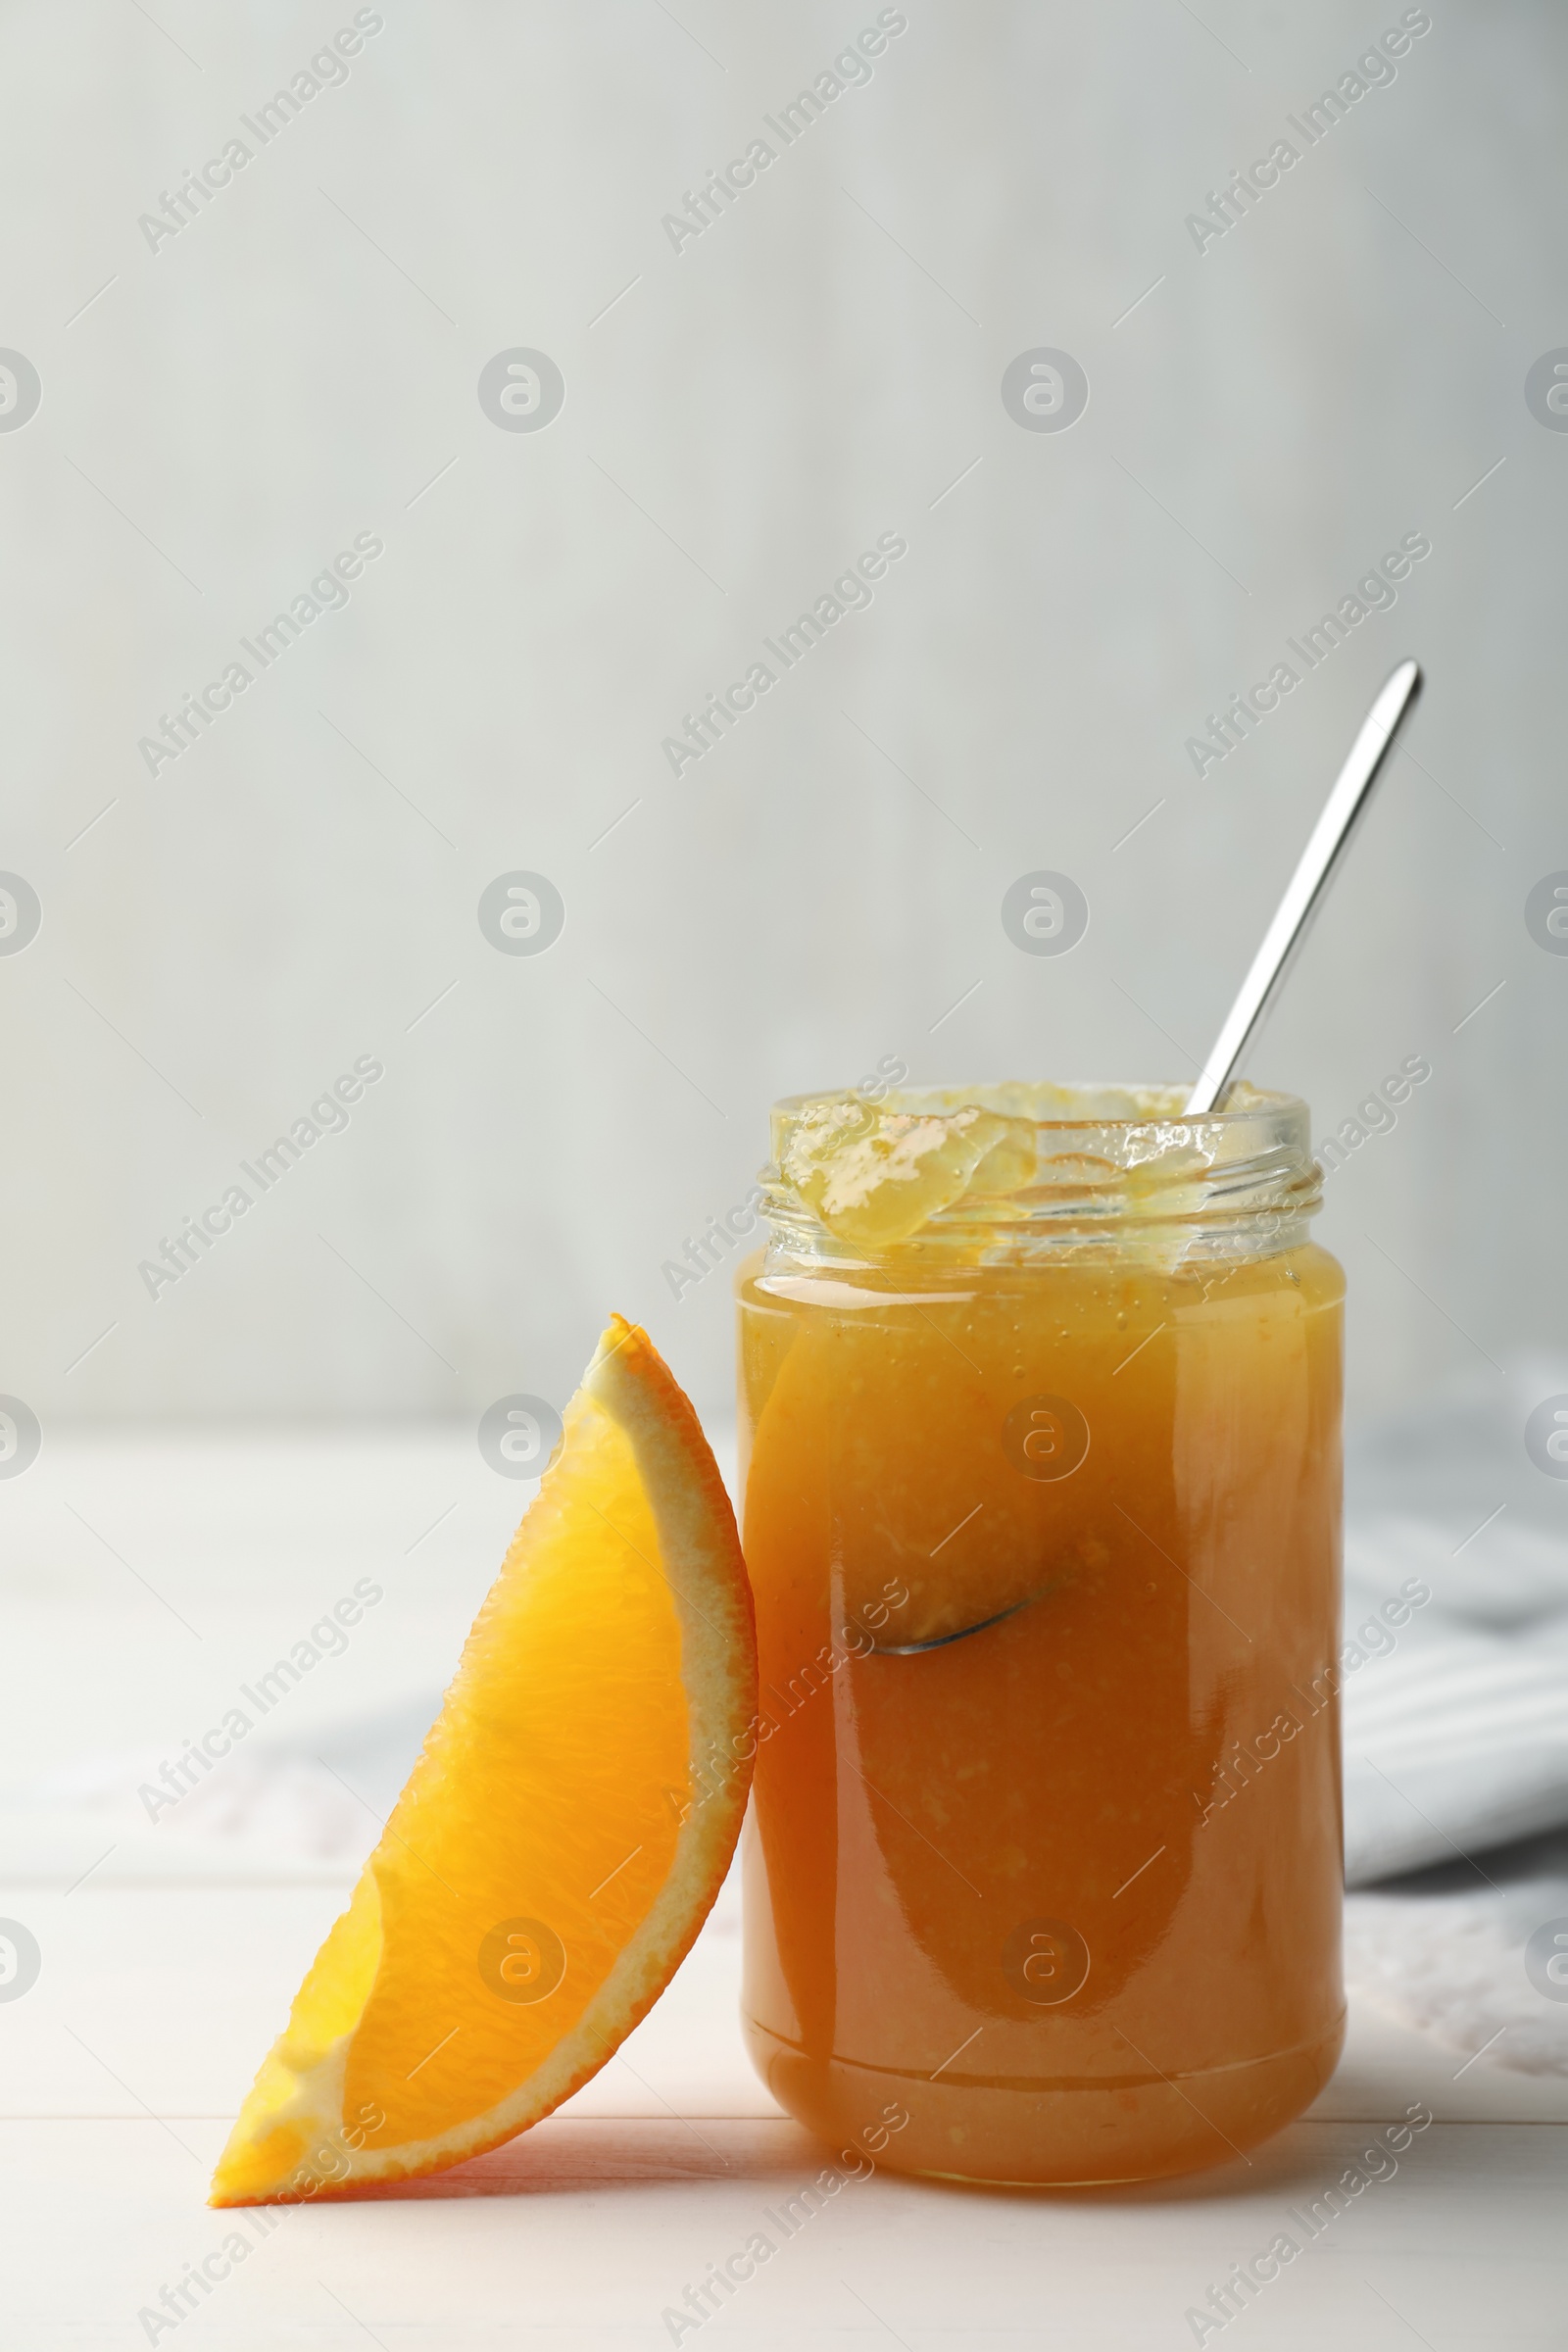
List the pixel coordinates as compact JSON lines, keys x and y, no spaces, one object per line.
{"x":161,"y":1987}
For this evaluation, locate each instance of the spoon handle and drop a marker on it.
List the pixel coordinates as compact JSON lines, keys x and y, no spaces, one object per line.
{"x":1308,"y":885}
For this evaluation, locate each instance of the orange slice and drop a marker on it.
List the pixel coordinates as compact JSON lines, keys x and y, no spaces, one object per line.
{"x":563,"y":1835}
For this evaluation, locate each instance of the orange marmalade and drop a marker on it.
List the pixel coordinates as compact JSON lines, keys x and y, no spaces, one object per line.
{"x":1040,"y":1401}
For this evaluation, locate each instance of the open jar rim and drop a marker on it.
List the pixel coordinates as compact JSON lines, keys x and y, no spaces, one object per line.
{"x":1004,"y":1168}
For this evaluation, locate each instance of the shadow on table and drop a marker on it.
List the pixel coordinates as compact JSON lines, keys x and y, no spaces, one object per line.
{"x":1296,"y":2161}
{"x":596,"y":2153}
{"x":620,"y":2152}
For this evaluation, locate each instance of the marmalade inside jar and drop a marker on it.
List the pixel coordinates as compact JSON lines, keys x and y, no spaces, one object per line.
{"x":1041,"y":1423}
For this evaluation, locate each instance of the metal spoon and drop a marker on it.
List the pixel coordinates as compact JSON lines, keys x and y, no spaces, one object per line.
{"x":1308,"y":885}
{"x":916,"y":1649}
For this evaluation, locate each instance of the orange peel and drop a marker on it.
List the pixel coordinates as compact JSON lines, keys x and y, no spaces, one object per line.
{"x":563,"y":1835}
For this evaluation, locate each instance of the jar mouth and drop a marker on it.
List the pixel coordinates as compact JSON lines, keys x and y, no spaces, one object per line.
{"x":1002,"y":1167}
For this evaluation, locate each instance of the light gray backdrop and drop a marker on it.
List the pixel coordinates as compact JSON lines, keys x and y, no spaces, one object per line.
{"x":225,"y":408}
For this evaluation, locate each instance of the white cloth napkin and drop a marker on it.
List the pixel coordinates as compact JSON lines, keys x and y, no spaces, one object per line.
{"x":1457,"y":1721}
{"x":1447,"y":1952}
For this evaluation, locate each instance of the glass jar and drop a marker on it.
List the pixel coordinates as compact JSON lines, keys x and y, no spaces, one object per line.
{"x":1039,"y":1426}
